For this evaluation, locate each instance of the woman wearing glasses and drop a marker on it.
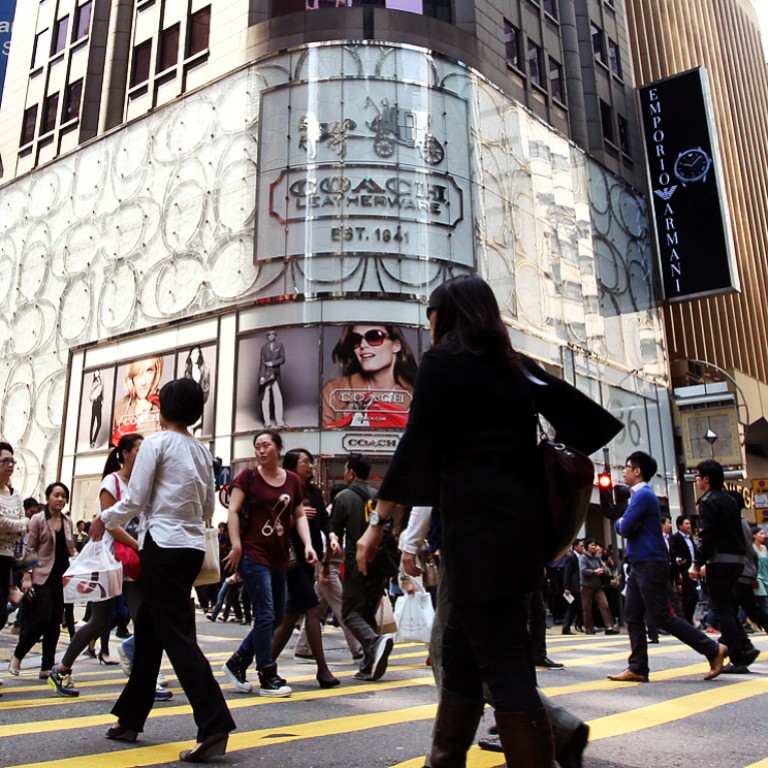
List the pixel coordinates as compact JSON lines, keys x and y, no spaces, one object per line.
{"x":378,"y":374}
{"x":13,"y":526}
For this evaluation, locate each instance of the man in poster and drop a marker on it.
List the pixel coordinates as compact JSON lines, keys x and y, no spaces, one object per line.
{"x":271,"y":358}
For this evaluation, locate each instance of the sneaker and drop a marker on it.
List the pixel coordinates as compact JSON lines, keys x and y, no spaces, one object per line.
{"x":161,"y":681}
{"x":125,"y":662}
{"x":161,"y":694}
{"x":360,"y":675}
{"x":274,"y":687}
{"x":62,"y":683}
{"x":381,"y":651}
{"x":234,"y":671}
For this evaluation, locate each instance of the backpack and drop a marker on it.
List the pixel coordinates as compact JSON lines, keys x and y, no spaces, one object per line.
{"x":386,"y":561}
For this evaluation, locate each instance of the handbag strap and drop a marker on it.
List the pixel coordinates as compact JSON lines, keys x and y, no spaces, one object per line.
{"x":118,"y":492}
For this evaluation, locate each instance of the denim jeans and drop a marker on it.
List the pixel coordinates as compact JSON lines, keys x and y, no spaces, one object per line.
{"x":266,"y":589}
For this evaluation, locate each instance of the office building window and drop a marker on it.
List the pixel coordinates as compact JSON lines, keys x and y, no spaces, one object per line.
{"x":598,"y":44}
{"x":169,"y":48}
{"x":140,"y":63}
{"x":436,"y":9}
{"x":28,"y":125}
{"x":624,"y":135}
{"x":50,"y":108}
{"x":40,"y":53}
{"x":534,"y":63}
{"x":606,"y":117}
{"x":83,"y":20}
{"x":199,"y":31}
{"x":556,"y":80}
{"x":60,"y":34}
{"x":613,"y":54}
{"x":550,"y":7}
{"x":72,"y":98}
{"x":512,"y":44}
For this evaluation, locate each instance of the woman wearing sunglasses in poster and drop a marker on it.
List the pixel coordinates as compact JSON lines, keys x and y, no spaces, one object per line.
{"x":378,"y":373}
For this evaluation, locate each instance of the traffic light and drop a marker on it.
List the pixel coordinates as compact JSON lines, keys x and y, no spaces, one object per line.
{"x":605,"y":486}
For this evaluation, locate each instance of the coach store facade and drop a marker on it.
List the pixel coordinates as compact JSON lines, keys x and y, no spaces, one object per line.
{"x":275,"y":236}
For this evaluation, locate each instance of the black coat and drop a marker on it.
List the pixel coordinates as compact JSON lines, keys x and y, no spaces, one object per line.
{"x":470,"y":448}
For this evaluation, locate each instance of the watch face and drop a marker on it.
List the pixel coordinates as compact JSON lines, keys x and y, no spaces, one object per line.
{"x":374,"y":519}
{"x":692,"y":165}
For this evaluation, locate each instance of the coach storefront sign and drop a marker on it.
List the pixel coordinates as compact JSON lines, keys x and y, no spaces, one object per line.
{"x":372,"y":443}
{"x":692,"y":226}
{"x":356,"y":169}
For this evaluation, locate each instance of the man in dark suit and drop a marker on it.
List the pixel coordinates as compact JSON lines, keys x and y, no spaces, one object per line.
{"x":572,"y":588}
{"x":684,"y":552}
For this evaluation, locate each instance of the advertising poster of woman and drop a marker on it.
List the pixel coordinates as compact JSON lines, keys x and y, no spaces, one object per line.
{"x":95,"y":406}
{"x":199,"y":364}
{"x":277,"y":379}
{"x":377,"y":364}
{"x":139,"y":409}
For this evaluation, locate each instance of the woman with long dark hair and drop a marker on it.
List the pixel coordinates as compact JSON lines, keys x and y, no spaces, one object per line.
{"x":114,"y":484}
{"x":485,"y":475}
{"x":300,"y":578}
{"x":50,"y":535}
{"x":378,"y":371}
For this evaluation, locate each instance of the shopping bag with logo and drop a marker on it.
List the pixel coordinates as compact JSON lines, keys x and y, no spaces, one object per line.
{"x":92,"y":576}
{"x":414,"y":615}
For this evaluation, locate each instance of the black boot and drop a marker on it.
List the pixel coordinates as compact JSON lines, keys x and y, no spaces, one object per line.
{"x":271,"y":684}
{"x":455,"y":728}
{"x":527,"y":743}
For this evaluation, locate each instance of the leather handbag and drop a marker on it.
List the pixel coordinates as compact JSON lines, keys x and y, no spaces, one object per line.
{"x":569,"y":476}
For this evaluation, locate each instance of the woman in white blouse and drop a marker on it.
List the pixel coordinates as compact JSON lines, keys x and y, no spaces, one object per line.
{"x":172,"y":489}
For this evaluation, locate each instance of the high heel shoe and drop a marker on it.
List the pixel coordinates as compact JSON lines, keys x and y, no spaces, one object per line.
{"x":331,"y":682}
{"x":89,"y":652}
{"x":120,"y":733}
{"x":14,"y":666}
{"x":107,"y":660}
{"x":213,"y":746}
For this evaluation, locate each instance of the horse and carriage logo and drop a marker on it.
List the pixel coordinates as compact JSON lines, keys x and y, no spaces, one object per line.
{"x":391,"y":126}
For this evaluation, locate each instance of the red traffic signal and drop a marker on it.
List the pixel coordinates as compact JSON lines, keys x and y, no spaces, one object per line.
{"x":604,"y":481}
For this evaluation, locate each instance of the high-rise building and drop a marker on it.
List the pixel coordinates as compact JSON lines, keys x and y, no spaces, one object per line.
{"x":718,"y":345}
{"x":245,"y":183}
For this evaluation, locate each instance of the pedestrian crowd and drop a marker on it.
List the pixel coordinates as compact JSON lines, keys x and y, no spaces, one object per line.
{"x":290,"y":560}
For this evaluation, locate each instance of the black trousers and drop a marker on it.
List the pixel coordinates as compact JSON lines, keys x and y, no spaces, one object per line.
{"x":43,"y":618}
{"x":721,"y":579}
{"x":647,"y":586}
{"x":573,"y":613}
{"x":746,"y":598}
{"x":690,"y":597}
{"x":165,"y":621}
{"x":359,"y":603}
{"x":488,"y":643}
{"x":6,"y":568}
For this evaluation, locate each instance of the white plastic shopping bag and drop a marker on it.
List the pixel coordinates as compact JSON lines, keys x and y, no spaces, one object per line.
{"x":94,"y":575}
{"x":414,"y":615}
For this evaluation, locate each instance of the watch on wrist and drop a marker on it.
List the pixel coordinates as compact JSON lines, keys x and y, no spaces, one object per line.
{"x":376,"y":519}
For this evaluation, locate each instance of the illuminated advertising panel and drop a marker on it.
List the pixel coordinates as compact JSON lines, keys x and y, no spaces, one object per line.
{"x":368,"y":171}
{"x":692,"y":227}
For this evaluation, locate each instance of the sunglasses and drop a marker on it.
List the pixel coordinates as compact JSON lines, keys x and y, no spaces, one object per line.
{"x":373,"y":338}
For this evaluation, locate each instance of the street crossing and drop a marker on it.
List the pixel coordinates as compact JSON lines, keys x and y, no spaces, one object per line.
{"x":388,"y":721}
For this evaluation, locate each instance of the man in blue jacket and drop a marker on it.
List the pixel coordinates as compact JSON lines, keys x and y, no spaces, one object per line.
{"x":648,"y":560}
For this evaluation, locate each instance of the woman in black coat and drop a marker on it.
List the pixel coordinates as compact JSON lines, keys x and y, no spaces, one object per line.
{"x":484,"y":473}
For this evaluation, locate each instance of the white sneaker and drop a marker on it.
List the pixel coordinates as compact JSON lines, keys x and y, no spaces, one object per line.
{"x":161,"y":681}
{"x":381,"y":653}
{"x":125,"y":663}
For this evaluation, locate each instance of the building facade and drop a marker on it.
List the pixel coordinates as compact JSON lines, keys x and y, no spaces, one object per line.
{"x":717,"y":345}
{"x":297,"y":204}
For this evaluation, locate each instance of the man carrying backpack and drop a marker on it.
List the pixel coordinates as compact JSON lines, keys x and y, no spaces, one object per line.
{"x":351,"y":514}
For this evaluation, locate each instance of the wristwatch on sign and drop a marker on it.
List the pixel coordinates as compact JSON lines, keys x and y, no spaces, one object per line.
{"x":375,"y":519}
